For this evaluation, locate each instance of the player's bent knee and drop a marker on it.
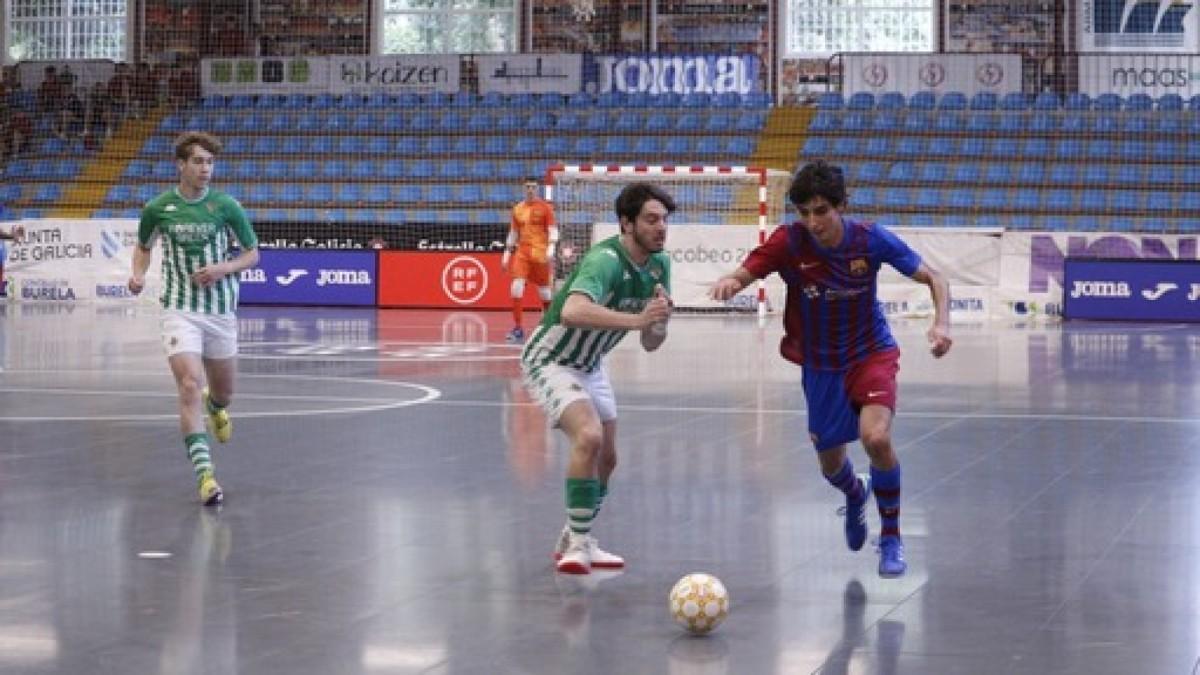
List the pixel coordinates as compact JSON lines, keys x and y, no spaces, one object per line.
{"x":518,"y":288}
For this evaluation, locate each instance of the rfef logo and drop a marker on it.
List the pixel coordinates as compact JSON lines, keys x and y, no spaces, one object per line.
{"x":875,"y":74}
{"x":932,"y":74}
{"x":465,"y":280}
{"x":989,"y":74}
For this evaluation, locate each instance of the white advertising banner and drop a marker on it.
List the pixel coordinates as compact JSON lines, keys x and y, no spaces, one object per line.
{"x":910,"y":73}
{"x":1152,"y":74}
{"x":69,"y":260}
{"x":532,"y":73}
{"x":394,"y":73}
{"x":268,"y":75}
{"x":1138,"y":26}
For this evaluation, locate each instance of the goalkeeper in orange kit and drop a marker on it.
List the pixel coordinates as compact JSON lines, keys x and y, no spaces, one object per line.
{"x":529,"y":252}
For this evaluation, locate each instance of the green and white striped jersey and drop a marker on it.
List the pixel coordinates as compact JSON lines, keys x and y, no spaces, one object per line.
{"x":607,"y":276}
{"x":195,"y":234}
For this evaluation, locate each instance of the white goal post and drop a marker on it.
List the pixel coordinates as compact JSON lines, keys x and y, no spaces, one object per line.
{"x":722,"y":213}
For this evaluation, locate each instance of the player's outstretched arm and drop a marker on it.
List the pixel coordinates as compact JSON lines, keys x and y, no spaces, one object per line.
{"x":939,"y":290}
{"x":731,"y":284}
{"x":580,"y":311}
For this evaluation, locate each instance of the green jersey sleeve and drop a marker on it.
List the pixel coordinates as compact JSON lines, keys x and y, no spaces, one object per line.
{"x":239,"y":223}
{"x":598,"y":274}
{"x":148,"y":226}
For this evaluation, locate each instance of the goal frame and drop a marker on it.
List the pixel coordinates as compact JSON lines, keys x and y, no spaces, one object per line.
{"x":666,"y":170}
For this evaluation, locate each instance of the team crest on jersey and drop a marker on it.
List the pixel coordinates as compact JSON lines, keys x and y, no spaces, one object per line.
{"x":859,"y":267}
{"x":212,"y":208}
{"x":655,"y":273}
{"x":812,"y":292}
{"x":169,"y":208}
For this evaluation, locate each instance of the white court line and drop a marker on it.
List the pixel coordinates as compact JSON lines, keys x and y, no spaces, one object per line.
{"x":428,"y":394}
{"x":1066,"y":417}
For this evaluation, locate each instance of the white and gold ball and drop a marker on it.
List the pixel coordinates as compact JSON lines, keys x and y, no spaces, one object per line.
{"x":699,"y":602}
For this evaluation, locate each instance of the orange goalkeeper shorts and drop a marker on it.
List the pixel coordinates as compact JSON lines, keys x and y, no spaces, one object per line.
{"x":535,"y":273}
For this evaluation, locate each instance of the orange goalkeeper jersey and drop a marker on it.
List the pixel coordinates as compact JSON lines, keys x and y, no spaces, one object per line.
{"x":532,"y":223}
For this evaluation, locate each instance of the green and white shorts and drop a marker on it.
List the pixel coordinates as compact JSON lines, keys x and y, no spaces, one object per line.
{"x":555,"y":387}
{"x":212,"y":336}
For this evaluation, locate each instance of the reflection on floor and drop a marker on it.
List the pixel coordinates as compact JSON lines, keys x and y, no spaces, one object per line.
{"x":393,"y":496}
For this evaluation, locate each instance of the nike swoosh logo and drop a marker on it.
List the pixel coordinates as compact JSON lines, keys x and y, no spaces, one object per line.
{"x":875,"y":394}
{"x":1162,"y":289}
{"x":805,"y":266}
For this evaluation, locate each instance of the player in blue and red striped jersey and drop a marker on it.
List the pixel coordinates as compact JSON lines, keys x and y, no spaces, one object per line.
{"x":835,"y":329}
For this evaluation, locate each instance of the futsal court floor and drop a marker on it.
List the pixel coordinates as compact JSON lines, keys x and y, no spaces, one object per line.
{"x":392,"y":498}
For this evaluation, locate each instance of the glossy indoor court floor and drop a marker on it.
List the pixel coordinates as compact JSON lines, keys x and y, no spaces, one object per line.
{"x":392,"y":498}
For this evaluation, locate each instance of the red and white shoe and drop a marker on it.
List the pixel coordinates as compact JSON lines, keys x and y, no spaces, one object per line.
{"x":577,"y":557}
{"x":600,"y":558}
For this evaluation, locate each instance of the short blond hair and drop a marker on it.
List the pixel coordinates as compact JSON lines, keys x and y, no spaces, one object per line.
{"x":183,"y":144}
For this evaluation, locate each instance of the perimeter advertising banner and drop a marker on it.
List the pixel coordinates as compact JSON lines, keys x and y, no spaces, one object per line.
{"x":449,"y":280}
{"x":1151,"y":74}
{"x":319,"y":277}
{"x":659,"y":74}
{"x":391,"y":74}
{"x":911,"y":73}
{"x":1154,"y":26}
{"x":1131,"y":290}
{"x":69,"y":260}
{"x":533,"y":73}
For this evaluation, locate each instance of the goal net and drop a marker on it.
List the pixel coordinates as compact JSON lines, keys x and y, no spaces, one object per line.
{"x":722,"y":212}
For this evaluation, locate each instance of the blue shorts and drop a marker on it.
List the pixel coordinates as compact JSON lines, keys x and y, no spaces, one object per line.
{"x":835,"y":397}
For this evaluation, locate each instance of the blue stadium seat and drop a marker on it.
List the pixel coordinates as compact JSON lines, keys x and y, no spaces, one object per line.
{"x":846,"y":146}
{"x":892,"y":100}
{"x":751,"y":121}
{"x":550,"y":100}
{"x":556,"y":146}
{"x":1132,"y":200}
{"x":1043,"y":122}
{"x":906,"y":146}
{"x":855,"y":121}
{"x":164,"y":170}
{"x":997,"y":172}
{"x":364,"y":123}
{"x":863,"y":197}
{"x":1074,"y":123}
{"x":363,"y":169}
{"x":1130,"y":174}
{"x":628,"y":123}
{"x":1062,"y":173}
{"x":351,"y":145}
{"x":540,"y":121}
{"x":1013,"y":123}
{"x":953,"y":100}
{"x":823,"y":121}
{"x":440,"y":194}
{"x":1170,"y":102}
{"x":138,"y":168}
{"x":1093,"y":200}
{"x":1027,"y":199}
{"x":875,"y":147}
{"x":1100,"y":149}
{"x":470,"y":193}
{"x":1139,"y":102}
{"x":1161,"y":174}
{"x":318,"y":193}
{"x":960,"y":198}
{"x":259,"y":193}
{"x":1095,"y":174}
{"x":1166,"y":150}
{"x":1077,"y":101}
{"x":596,"y":122}
{"x":922,"y":100}
{"x":469,"y":145}
{"x":863,"y":100}
{"x":392,"y":168}
{"x":816,"y":146}
{"x":317,"y":145}
{"x":893,"y":198}
{"x":438,"y":145}
{"x":247,"y":170}
{"x":587,"y":146}
{"x":212,"y":102}
{"x":717,"y":123}
{"x":410,"y":194}
{"x":1047,"y":100}
{"x":1104,"y":124}
{"x":739,"y":146}
{"x":967,"y":172}
{"x":1133,"y":150}
{"x":337,"y":122}
{"x":568,"y":122}
{"x":1014,"y":101}
{"x":871,"y":172}
{"x":1134,"y":124}
{"x":830,"y":100}
{"x":421,"y":168}
{"x":984,"y":100}
{"x":334,"y":169}
{"x":1004,"y":148}
{"x":928,"y":199}
{"x":993,"y":199}
{"x":349,"y":193}
{"x":409,"y":146}
{"x":934,"y":172}
{"x":510,"y":121}
{"x":1031,"y":173}
{"x":708,"y":146}
{"x":499,"y":194}
{"x":617,"y":145}
{"x":116,"y":194}
{"x":918,"y":121}
{"x":378,"y":145}
{"x":1107,"y":102}
{"x":1189,"y":202}
{"x":1058,"y":200}
{"x":687,"y":123}
{"x":234,"y":145}
{"x":982,"y":122}
{"x":306,"y":169}
{"x":902,"y":172}
{"x":678,"y":146}
{"x":973,"y":146}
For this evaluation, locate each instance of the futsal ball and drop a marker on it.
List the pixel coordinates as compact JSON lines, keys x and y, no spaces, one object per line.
{"x":699,"y":602}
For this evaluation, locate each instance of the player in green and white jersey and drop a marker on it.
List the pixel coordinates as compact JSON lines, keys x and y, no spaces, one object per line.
{"x":621,"y":285}
{"x":200,"y":294}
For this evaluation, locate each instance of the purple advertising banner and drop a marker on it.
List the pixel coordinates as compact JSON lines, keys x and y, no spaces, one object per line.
{"x":311,"y":277}
{"x":1131,"y":289}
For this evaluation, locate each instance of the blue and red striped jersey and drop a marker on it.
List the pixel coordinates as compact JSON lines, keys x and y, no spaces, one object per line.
{"x":832,"y":319}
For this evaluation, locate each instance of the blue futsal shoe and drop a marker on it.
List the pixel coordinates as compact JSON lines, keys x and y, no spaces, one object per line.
{"x":891,"y":556}
{"x":515,"y":336}
{"x":856,"y":515}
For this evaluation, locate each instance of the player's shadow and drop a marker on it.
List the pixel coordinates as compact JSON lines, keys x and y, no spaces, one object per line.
{"x":889,"y":638}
